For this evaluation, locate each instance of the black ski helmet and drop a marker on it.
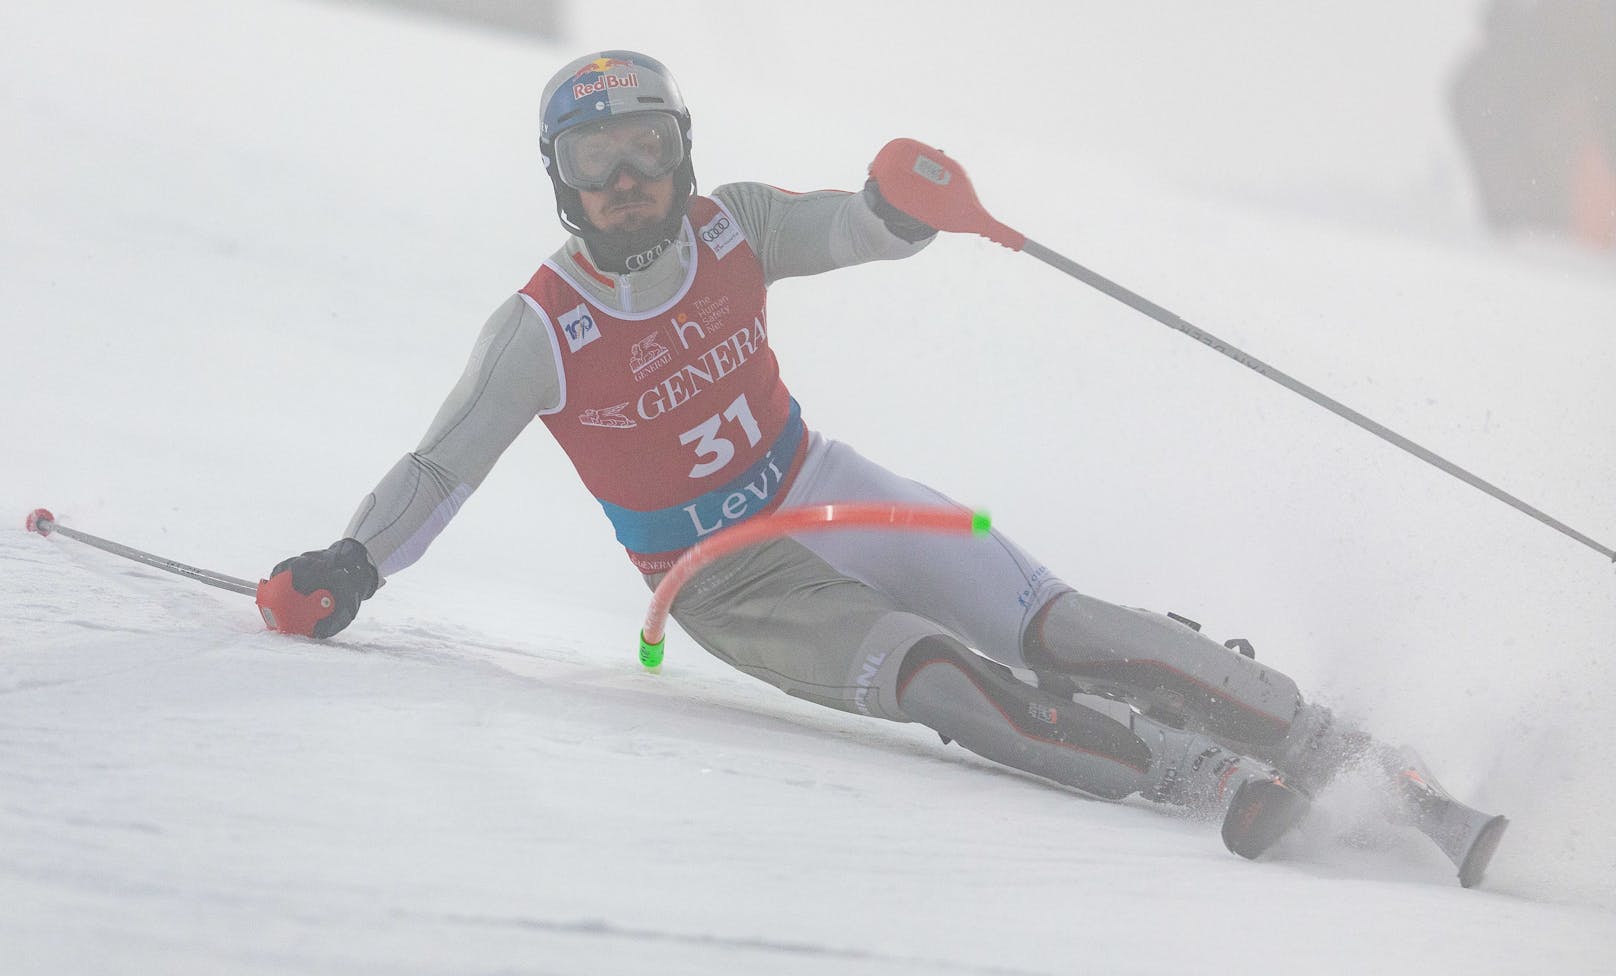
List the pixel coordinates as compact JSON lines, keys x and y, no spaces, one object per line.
{"x":604,"y":85}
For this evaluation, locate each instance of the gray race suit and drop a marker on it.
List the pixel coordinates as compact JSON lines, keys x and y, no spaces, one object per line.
{"x":875,"y":623}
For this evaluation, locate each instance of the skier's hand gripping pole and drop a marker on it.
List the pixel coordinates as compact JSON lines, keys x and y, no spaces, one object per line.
{"x":908,"y":518}
{"x":318,"y":593}
{"x":929,"y":186}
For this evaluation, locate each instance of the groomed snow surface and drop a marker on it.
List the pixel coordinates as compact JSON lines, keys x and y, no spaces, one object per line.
{"x":246,"y":248}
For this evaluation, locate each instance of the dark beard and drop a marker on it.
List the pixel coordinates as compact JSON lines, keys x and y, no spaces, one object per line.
{"x":627,"y":251}
{"x":624,"y":252}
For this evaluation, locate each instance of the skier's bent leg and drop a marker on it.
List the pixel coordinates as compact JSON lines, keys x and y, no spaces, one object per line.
{"x":1179,"y":675}
{"x":783,"y":614}
{"x":1174,"y":669}
{"x":1185,"y":678}
{"x":982,"y":706}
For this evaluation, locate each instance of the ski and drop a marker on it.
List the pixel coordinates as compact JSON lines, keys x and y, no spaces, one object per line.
{"x":1466,"y":835}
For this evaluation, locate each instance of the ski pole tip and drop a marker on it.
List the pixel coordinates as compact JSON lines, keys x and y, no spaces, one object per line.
{"x":40,"y":520}
{"x":651,"y":653}
{"x":981,"y":523}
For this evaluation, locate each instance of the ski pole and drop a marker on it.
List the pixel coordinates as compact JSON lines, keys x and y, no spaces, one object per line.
{"x":40,"y":520}
{"x":944,"y":198}
{"x":915,"y":518}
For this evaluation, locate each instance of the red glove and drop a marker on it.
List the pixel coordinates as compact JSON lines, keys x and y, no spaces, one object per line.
{"x":318,"y":593}
{"x":930,"y":187}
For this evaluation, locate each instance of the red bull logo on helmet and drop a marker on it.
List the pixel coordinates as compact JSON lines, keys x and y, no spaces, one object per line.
{"x":604,"y":68}
{"x":601,"y":65}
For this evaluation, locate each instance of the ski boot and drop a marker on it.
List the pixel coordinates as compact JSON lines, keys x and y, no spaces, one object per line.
{"x":1315,"y":748}
{"x":1192,"y":771}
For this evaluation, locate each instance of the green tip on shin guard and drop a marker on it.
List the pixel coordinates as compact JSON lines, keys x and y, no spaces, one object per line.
{"x":981,"y":523}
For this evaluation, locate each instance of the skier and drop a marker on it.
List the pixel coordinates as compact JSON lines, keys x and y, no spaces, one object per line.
{"x":643,"y":344}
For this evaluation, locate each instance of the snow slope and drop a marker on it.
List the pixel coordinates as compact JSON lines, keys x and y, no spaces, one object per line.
{"x":247,"y":246}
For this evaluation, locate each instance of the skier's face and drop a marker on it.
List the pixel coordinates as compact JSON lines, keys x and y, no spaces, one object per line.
{"x":630,"y":202}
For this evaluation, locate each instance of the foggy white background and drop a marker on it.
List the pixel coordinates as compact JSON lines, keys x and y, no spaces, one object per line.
{"x":246,"y":251}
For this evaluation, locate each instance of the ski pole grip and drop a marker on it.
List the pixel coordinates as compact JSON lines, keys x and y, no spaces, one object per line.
{"x":928,"y":185}
{"x":910,"y":518}
{"x":289,"y":611}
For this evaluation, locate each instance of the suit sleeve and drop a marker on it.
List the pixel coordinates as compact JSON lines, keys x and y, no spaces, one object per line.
{"x":512,"y":376}
{"x":797,"y":234}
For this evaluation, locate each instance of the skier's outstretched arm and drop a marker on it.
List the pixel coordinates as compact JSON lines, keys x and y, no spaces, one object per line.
{"x":798,"y":234}
{"x":512,"y":377}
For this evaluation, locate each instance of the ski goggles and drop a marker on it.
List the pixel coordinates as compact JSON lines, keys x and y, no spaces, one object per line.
{"x":588,"y":155}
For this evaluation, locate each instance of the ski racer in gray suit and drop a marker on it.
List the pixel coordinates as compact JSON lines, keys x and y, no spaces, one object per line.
{"x":643,"y":345}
